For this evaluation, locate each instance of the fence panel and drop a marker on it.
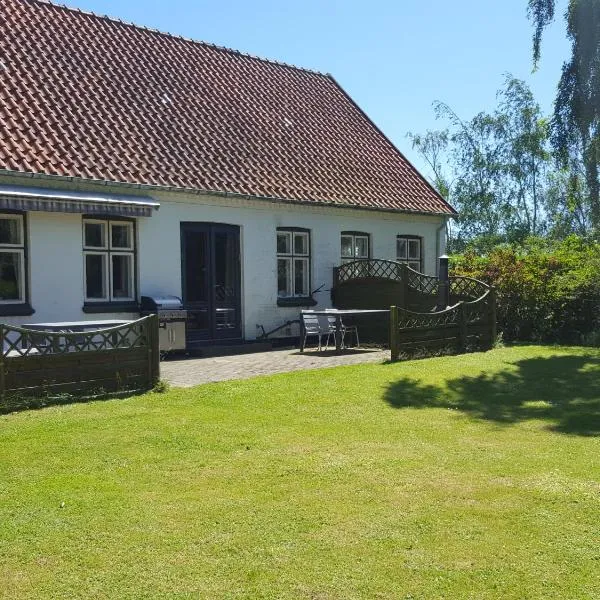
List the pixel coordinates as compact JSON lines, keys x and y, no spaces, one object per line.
{"x":465,"y":326}
{"x":37,"y":363}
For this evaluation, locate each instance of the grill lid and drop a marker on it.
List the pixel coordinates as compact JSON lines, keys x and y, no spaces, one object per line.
{"x":160,"y":303}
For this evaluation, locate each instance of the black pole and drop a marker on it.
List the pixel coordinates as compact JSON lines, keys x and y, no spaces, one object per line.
{"x":444,"y":283}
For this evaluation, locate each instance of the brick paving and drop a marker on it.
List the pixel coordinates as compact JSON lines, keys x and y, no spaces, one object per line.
{"x":194,"y":371}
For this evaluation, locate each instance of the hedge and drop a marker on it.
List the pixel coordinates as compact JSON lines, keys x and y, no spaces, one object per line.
{"x":547,"y":291}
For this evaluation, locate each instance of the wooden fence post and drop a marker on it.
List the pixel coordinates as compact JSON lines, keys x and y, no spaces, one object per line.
{"x":154,"y":352}
{"x":462,"y":327}
{"x":493,"y":317}
{"x":336,"y":276}
{"x":405,"y":287}
{"x":394,"y":335}
{"x":2,"y":373}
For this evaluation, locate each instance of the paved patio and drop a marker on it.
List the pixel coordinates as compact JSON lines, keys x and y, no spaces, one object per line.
{"x":194,"y":371}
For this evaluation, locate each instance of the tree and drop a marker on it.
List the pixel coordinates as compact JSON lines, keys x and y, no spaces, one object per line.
{"x":576,"y":121}
{"x":523,"y":135}
{"x":496,"y":167}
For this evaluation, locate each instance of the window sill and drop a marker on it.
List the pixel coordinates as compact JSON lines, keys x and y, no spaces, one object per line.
{"x":111,"y":307}
{"x":303,"y":301}
{"x":23,"y":309}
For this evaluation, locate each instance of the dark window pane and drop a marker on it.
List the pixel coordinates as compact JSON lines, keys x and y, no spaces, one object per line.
{"x":301,"y":277}
{"x":347,"y":246}
{"x":300,"y":243}
{"x":284,"y":243}
{"x":95,"y":276}
{"x":414,"y":249}
{"x":196,"y":266}
{"x":226,"y":263}
{"x":402,"y":249}
{"x":283,"y":277}
{"x":122,"y":283}
{"x":10,"y":276}
{"x":94,"y":235}
{"x":10,"y":231}
{"x":362,"y":247}
{"x":121,"y":236}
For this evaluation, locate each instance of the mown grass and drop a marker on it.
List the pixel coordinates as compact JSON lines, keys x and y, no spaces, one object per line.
{"x":473,"y":476}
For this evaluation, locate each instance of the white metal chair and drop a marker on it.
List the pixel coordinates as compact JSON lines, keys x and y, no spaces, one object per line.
{"x":312,"y":327}
{"x":331,"y":326}
{"x":327,"y":325}
{"x":351,"y":329}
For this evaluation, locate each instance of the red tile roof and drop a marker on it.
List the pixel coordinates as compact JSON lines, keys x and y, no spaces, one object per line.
{"x":92,"y":97}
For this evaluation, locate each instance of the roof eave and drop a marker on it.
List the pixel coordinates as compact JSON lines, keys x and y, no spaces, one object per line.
{"x":225,"y":194}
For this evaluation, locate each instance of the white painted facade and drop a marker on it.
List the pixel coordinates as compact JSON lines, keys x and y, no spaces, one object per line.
{"x":55,"y":256}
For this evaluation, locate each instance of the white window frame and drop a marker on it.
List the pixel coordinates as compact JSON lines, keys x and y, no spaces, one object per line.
{"x":355,"y":236}
{"x":17,"y":249}
{"x":108,"y":252}
{"x":291,"y":257}
{"x":415,"y":264}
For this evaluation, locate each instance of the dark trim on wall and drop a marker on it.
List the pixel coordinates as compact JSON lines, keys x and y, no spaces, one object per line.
{"x":110,"y":307}
{"x":23,"y":309}
{"x":364,"y":233}
{"x":296,"y":301}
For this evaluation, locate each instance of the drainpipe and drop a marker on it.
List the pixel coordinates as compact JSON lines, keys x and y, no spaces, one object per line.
{"x":438,"y":232}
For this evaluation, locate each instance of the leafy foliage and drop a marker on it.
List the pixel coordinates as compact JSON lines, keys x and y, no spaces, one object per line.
{"x":546,"y":291}
{"x":541,"y":12}
{"x":494,"y":168}
{"x":576,"y":121}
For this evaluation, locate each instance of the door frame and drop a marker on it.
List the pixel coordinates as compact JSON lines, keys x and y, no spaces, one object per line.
{"x":210,"y":228}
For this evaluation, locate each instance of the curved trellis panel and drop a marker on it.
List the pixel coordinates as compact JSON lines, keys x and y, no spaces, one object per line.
{"x":459,"y":328}
{"x":466,"y":289}
{"x":42,"y":363}
{"x":378,"y":284}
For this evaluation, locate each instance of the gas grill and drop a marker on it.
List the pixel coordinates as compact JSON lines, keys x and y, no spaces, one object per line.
{"x":171,"y":320}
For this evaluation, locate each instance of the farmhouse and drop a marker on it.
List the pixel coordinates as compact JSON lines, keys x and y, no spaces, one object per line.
{"x":134,"y":162}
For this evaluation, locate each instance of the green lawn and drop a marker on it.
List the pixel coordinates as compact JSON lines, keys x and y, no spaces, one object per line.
{"x":473,"y":476}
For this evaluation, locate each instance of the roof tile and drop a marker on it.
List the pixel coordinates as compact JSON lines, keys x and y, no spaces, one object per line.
{"x":88,"y":96}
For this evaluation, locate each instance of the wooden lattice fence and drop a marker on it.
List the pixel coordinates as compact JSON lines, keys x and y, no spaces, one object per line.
{"x":43,"y":363}
{"x":377,"y":284}
{"x":459,"y":328}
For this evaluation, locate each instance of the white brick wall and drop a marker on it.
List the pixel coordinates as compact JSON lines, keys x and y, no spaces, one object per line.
{"x":56,"y":261}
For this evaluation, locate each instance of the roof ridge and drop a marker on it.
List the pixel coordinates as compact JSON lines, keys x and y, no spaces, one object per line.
{"x":180,"y":37}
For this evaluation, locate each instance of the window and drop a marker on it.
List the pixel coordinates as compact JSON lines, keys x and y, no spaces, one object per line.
{"x":293,"y":263}
{"x":409,"y":249}
{"x":354,"y":245}
{"x":12,"y":259}
{"x":109,"y":260}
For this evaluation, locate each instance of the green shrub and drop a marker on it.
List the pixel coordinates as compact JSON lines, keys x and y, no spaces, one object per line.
{"x":547,"y":291}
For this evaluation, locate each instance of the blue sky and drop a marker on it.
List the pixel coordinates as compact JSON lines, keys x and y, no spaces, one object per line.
{"x":394,"y":57}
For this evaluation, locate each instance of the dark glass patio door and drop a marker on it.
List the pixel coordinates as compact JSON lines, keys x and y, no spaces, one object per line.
{"x":210,"y":261}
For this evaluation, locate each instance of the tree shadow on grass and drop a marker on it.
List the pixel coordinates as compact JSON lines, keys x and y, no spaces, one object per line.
{"x":562,"y":390}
